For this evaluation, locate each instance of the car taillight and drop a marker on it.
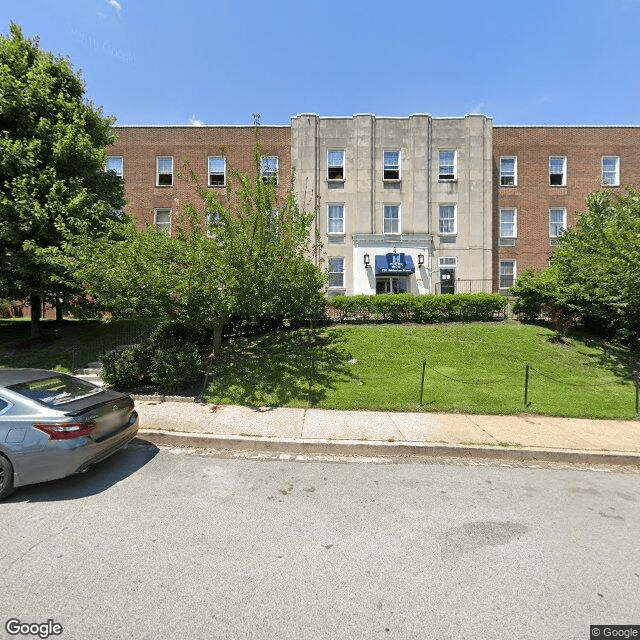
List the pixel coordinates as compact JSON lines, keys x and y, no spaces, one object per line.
{"x":66,"y":431}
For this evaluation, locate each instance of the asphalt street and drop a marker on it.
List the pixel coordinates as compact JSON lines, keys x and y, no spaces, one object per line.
{"x":169,"y":543}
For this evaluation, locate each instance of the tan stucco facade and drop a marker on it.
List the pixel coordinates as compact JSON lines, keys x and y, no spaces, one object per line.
{"x":396,"y":208}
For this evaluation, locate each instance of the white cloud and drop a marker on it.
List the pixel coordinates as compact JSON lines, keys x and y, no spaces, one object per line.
{"x":116,"y":5}
{"x":195,"y":122}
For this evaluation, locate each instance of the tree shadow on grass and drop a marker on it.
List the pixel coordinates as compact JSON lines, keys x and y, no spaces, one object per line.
{"x":620,"y":360}
{"x":285,"y":368}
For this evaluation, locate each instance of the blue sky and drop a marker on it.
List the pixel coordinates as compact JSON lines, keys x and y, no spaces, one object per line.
{"x":201,"y":61}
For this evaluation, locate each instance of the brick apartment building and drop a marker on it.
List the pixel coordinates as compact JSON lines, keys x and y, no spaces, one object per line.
{"x":381,"y":191}
{"x":156,"y":162}
{"x":417,"y":203}
{"x":541,"y":177}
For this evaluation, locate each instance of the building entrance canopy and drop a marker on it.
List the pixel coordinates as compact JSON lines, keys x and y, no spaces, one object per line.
{"x":398,"y":264}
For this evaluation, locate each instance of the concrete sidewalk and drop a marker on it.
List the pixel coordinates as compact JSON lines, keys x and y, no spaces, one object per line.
{"x":372,"y":433}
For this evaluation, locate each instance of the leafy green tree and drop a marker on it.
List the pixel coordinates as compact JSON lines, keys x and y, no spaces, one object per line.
{"x":53,"y":187}
{"x":252,"y":261}
{"x":595,"y":276}
{"x":598,"y":263}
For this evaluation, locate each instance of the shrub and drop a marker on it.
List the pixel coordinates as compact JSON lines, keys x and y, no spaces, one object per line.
{"x":171,"y":357}
{"x":126,"y":368}
{"x":173,"y":367}
{"x":405,"y":307}
{"x":173,"y":332}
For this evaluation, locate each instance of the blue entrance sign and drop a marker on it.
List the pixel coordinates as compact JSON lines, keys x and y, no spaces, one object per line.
{"x":398,"y":264}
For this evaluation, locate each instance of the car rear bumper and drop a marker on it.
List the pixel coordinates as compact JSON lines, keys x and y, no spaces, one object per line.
{"x":72,"y":456}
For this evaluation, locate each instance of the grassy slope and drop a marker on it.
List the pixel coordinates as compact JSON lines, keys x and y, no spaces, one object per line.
{"x":474,"y":368}
{"x":64,"y":346}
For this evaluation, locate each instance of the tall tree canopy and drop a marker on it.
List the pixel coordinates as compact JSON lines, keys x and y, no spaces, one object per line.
{"x":252,"y":262}
{"x":595,"y":276}
{"x":53,"y":187}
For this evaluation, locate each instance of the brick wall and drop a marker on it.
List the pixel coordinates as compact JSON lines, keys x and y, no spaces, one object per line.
{"x":139,"y":147}
{"x":583,"y":148}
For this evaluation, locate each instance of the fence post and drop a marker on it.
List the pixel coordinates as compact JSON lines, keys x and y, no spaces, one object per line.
{"x":526,"y":385}
{"x":312,"y":379}
{"x":424,"y":366}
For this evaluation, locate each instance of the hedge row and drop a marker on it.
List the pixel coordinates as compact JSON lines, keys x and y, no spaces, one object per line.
{"x":425,"y":309}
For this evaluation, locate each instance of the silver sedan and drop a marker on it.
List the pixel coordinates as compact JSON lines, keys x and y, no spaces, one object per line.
{"x":53,"y":425}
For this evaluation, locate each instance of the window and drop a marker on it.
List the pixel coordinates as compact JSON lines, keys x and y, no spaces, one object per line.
{"x":214,"y":224}
{"x":447,"y":165}
{"x":611,"y":171}
{"x":336,"y":273}
{"x":391,"y":170}
{"x":508,"y":171}
{"x":5,"y":405}
{"x":164,"y":171}
{"x":335,"y":164}
{"x":162,"y":219}
{"x":557,"y":222}
{"x":269,"y":168}
{"x":391,"y":218}
{"x":557,"y":171}
{"x":508,"y":223}
{"x":507,"y":273}
{"x":447,"y":219}
{"x":217,"y":171}
{"x":115,"y":164}
{"x":335,"y":218}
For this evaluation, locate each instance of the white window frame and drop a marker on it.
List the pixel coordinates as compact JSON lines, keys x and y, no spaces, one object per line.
{"x":384,"y":219}
{"x":119,"y":170}
{"x":392,"y":168}
{"x":514,"y":222}
{"x":441,"y":220}
{"x":505,"y":176}
{"x":447,"y":176}
{"x":447,"y":261}
{"x":332,"y":164}
{"x":217,"y":173}
{"x":554,"y":230}
{"x":164,"y":172}
{"x":555,"y":173}
{"x":164,"y":226}
{"x":335,"y":206}
{"x":267,"y":172}
{"x":333,"y":262}
{"x":614,"y":180}
{"x":502,"y":275}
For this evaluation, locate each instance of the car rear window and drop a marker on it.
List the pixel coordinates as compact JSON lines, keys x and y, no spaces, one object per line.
{"x":55,"y":390}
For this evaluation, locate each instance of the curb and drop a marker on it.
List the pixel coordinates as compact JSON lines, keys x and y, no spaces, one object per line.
{"x":360,"y":448}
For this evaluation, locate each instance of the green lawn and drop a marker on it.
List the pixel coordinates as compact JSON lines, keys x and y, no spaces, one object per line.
{"x":65,"y":346}
{"x":470,"y":368}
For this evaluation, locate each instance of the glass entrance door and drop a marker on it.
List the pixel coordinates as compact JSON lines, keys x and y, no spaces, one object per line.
{"x":447,"y":280}
{"x":392,"y":284}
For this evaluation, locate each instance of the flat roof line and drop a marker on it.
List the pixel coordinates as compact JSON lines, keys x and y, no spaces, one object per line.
{"x":566,"y":126}
{"x":198,"y":126}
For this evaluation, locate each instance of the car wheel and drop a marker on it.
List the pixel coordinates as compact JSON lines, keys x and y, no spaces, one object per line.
{"x":6,"y":477}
